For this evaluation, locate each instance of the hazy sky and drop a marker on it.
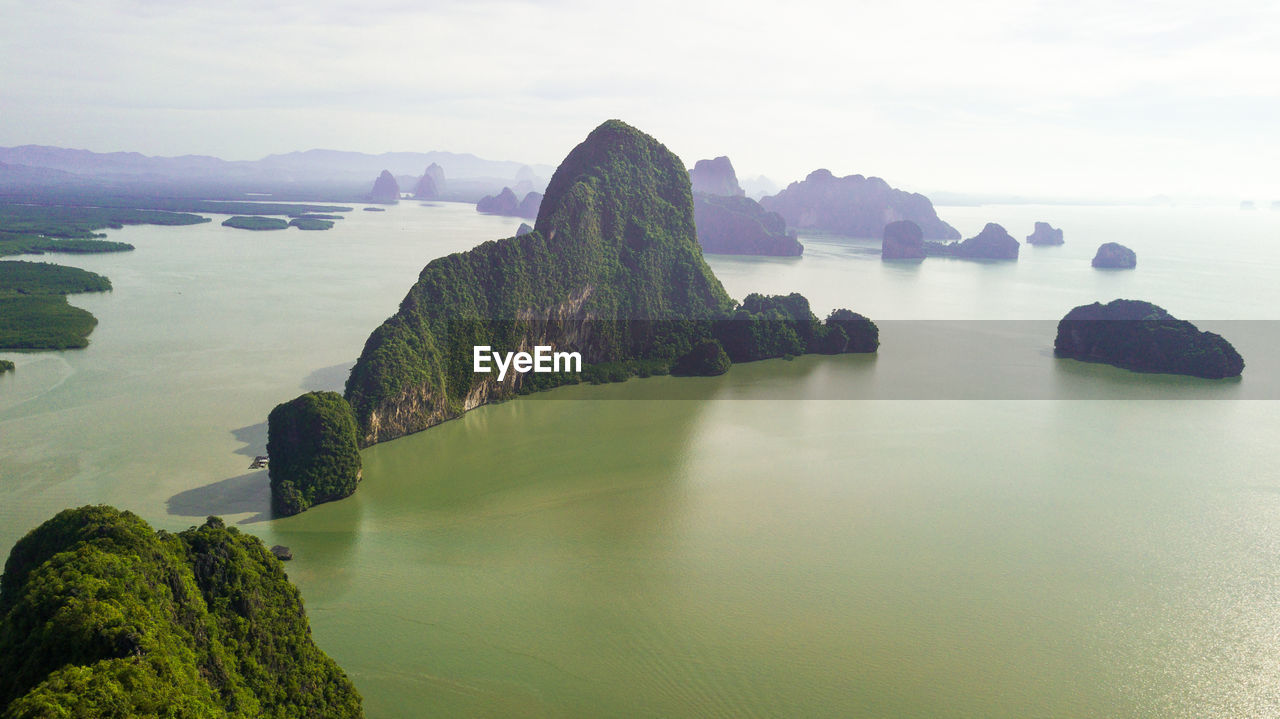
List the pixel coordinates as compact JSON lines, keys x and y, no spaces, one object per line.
{"x":1080,"y":99}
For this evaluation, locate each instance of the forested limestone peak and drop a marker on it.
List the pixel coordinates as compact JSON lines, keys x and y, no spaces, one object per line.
{"x":102,"y":616}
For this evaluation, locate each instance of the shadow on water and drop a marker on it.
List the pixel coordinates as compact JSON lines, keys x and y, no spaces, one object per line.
{"x":254,"y":438}
{"x":333,"y":379}
{"x":238,"y":495}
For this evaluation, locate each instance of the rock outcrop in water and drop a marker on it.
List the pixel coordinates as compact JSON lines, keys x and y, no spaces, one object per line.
{"x":524,"y":229}
{"x":436,"y":173}
{"x":505,"y":203}
{"x":993,"y":243}
{"x":528,"y":207}
{"x":386,"y":190}
{"x":1115,"y":256}
{"x":100,"y":616}
{"x":312,"y":443}
{"x":715,"y":177}
{"x":728,"y":222}
{"x":854,"y":205}
{"x":738,"y":225}
{"x":1143,"y":337}
{"x":902,"y":240}
{"x":1045,"y":234}
{"x":612,"y":270}
{"x":426,"y":189}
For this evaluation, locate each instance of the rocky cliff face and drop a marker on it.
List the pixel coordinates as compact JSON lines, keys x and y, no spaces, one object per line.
{"x":614,"y":240}
{"x":1143,"y":337}
{"x":715,"y":177}
{"x":740,"y":226}
{"x":1115,"y":256}
{"x":1044,"y":234}
{"x":386,"y":190}
{"x":855,"y":205}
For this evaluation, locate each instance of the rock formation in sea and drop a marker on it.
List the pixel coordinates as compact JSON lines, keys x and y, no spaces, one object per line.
{"x":315,"y":458}
{"x":993,"y":243}
{"x":524,"y":229}
{"x":737,"y":225}
{"x":715,"y":177}
{"x":1143,"y":337}
{"x":426,"y":189}
{"x":504,"y":203}
{"x":386,"y":190}
{"x":612,"y":270}
{"x":1045,"y":234}
{"x":528,"y":207}
{"x":902,"y":240}
{"x":1115,"y":256}
{"x":101,"y":616}
{"x":854,"y":205}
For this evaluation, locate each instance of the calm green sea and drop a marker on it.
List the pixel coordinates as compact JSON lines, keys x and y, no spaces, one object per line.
{"x":959,"y":526}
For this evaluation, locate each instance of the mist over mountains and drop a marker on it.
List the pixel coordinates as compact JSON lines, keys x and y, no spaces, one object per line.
{"x":315,"y":174}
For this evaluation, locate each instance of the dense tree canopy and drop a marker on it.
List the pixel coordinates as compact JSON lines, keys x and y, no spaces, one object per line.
{"x":102,"y":617}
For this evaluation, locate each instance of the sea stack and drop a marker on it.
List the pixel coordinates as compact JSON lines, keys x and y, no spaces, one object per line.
{"x":528,"y":207}
{"x":386,"y":190}
{"x":903,"y":240}
{"x":311,"y":441}
{"x":1044,"y":234}
{"x":504,"y":203}
{"x":426,"y":189}
{"x":1115,"y":256}
{"x":612,"y":271}
{"x":1143,"y":337}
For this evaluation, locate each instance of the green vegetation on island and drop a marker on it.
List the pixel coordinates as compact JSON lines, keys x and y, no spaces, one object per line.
{"x":6,"y":366}
{"x":37,"y":245}
{"x":34,"y":313}
{"x":255,"y":222}
{"x":81,"y":222}
{"x":314,"y":216}
{"x":100,"y":616}
{"x":37,"y":229}
{"x":310,"y":223}
{"x":311,"y":441}
{"x":612,"y":269}
{"x":1143,"y":337}
{"x":43,"y":322}
{"x":19,"y":277}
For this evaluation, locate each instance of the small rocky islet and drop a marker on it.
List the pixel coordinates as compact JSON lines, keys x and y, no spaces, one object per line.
{"x":1143,"y":337}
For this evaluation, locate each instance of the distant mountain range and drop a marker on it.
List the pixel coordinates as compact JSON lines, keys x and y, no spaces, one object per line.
{"x":314,"y":174}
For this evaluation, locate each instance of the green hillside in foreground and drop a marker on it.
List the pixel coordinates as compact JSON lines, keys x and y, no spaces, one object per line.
{"x":100,"y":616}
